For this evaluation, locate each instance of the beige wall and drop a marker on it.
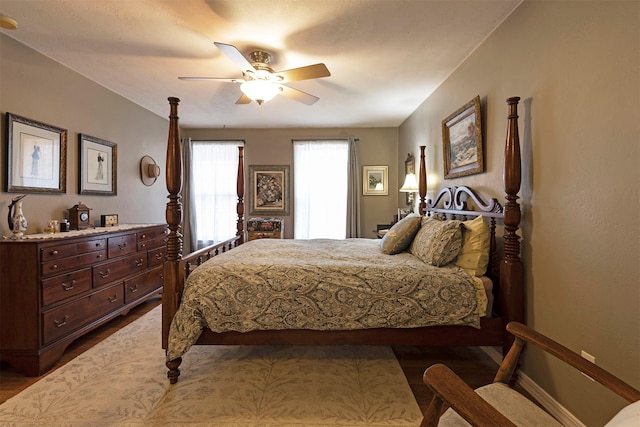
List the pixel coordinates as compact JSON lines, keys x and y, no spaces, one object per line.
{"x":376,"y":146}
{"x":35,"y":87}
{"x":576,"y":66}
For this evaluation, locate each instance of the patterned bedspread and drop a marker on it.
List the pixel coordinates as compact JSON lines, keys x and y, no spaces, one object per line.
{"x":319,"y":284}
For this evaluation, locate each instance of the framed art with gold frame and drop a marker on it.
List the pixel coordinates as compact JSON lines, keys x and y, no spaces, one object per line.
{"x":375,"y":180}
{"x":462,"y":141}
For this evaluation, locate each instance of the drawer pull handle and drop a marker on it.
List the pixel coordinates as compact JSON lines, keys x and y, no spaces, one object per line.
{"x":61,"y":323}
{"x":98,"y":244}
{"x":122,"y":246}
{"x":139,"y":263}
{"x":104,"y":274}
{"x":99,"y":256}
{"x":113,"y":298}
{"x":143,"y":245}
{"x":54,"y":267}
{"x":158,"y":256}
{"x":133,"y":288}
{"x":144,"y":236}
{"x":54,"y":252}
{"x":69,"y":286}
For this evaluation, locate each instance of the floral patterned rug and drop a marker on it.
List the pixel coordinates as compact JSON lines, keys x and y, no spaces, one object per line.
{"x":122,"y":382}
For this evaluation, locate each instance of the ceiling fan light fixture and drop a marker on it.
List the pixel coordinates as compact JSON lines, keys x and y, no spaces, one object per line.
{"x":260,"y":90}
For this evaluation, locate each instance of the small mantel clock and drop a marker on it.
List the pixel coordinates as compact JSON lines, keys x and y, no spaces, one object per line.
{"x":79,"y":217}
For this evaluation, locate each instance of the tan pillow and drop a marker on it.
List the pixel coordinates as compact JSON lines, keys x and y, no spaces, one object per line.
{"x":474,"y":254}
{"x":437,"y":242}
{"x":400,"y":235}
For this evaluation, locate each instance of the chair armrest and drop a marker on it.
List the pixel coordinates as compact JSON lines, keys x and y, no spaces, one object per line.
{"x":573,"y":359}
{"x":451,"y":389}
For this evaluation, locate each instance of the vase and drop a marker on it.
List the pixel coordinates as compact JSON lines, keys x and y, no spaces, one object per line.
{"x":18,"y":222}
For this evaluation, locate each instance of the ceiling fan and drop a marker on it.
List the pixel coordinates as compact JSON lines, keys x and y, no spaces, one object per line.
{"x":261,"y":83}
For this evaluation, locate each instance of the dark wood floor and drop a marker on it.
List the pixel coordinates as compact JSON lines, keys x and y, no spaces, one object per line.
{"x":471,"y":363}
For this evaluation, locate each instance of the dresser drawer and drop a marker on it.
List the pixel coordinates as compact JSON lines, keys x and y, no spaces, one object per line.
{"x":142,"y":285}
{"x":156,"y":257}
{"x":121,"y":245}
{"x":159,"y":234}
{"x":72,"y":263}
{"x":63,"y":320}
{"x":118,"y":269}
{"x":63,"y":251}
{"x":65,"y":286}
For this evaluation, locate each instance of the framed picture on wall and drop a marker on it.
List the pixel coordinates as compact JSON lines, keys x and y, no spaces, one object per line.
{"x":375,"y":180}
{"x":98,"y":171}
{"x":268,"y":190}
{"x":462,"y":141}
{"x":36,"y":156}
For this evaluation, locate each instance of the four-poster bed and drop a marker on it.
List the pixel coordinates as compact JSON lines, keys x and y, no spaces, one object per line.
{"x":506,"y":274}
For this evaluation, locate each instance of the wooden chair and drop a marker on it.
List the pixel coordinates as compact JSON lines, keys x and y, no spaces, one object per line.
{"x":497,"y":404}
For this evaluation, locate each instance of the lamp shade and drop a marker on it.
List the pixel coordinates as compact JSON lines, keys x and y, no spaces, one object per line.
{"x":410,"y":184}
{"x":260,"y":90}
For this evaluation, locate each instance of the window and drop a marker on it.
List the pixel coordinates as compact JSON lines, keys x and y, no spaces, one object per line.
{"x":214,"y":166}
{"x":320,"y":188}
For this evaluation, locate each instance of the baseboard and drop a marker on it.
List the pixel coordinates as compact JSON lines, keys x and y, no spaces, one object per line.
{"x":545,"y":400}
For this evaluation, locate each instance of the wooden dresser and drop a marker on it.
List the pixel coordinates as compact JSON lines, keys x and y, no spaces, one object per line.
{"x":55,"y":288}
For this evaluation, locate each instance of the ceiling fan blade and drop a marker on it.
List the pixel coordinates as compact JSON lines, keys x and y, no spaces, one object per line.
{"x":244,"y":99}
{"x":212,"y":78}
{"x":304,"y":73}
{"x":298,"y":95}
{"x":234,"y":55}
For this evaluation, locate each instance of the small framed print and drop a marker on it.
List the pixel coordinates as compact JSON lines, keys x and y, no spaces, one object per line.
{"x":36,"y":156}
{"x":375,"y":180}
{"x":98,"y":166}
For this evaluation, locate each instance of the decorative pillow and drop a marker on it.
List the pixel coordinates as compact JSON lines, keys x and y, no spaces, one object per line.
{"x":400,"y":235}
{"x":437,"y":242}
{"x":474,"y":254}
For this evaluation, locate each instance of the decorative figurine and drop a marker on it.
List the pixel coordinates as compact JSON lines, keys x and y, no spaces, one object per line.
{"x":17,"y":221}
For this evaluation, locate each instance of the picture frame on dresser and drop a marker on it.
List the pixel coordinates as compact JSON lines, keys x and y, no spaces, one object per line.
{"x":462,"y":141}
{"x":36,"y":160}
{"x":98,"y":166}
{"x":268,"y":190}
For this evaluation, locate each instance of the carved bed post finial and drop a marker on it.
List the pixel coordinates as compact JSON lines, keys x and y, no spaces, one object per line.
{"x":240,"y":191}
{"x":172,"y":273}
{"x":422,"y":185}
{"x":511,"y":271}
{"x":174,"y":184}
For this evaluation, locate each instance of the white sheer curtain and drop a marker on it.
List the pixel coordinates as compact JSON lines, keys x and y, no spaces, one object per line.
{"x":213,"y":197}
{"x":320,"y":188}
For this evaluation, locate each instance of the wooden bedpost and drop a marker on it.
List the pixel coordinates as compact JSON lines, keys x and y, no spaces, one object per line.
{"x":422,"y":184}
{"x":240,"y":192}
{"x":172,"y":271}
{"x":511,"y":271}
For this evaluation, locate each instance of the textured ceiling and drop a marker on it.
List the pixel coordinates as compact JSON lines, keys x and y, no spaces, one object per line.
{"x":385,"y":56}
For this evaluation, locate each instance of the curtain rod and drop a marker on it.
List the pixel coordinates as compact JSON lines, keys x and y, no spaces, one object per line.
{"x":323,"y":139}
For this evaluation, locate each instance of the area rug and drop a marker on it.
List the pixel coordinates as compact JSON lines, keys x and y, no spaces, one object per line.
{"x":122,"y":382}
